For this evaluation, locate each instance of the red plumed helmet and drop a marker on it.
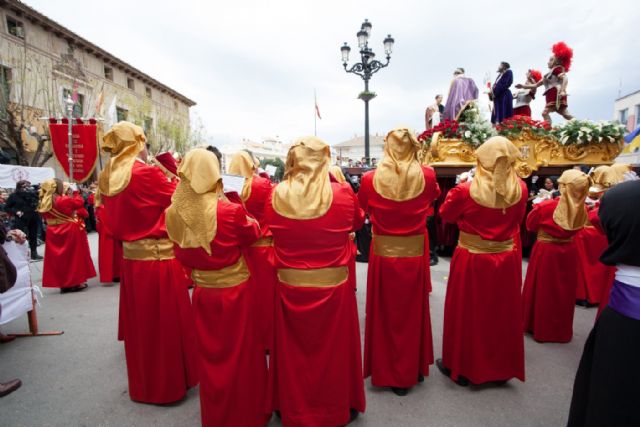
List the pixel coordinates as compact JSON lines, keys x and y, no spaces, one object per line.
{"x":536,"y":75}
{"x":563,"y":53}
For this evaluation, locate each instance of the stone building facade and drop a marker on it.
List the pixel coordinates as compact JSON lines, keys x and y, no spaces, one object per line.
{"x":42,"y":63}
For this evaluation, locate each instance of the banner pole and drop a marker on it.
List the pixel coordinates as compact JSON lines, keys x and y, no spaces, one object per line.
{"x":70,"y":103}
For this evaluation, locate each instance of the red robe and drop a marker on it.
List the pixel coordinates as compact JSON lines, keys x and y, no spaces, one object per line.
{"x":316,"y":370}
{"x":109,"y":250}
{"x":549,"y":292}
{"x":598,"y":278}
{"x":67,"y":258}
{"x":260,"y":258}
{"x":155,"y":311}
{"x":482,"y":338}
{"x":232,"y":364}
{"x":398,"y":343}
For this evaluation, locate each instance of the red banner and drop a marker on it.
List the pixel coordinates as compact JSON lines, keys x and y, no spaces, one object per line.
{"x":85,"y":149}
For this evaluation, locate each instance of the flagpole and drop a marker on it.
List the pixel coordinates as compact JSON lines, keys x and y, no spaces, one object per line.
{"x":315,"y":114}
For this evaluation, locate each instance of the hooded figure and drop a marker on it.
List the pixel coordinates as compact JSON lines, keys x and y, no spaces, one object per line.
{"x":255,"y":193}
{"x":605,"y":390}
{"x":554,"y":272}
{"x":482,"y":337}
{"x":67,"y":264}
{"x":155,"y":309}
{"x":316,"y":319}
{"x":210,"y":235}
{"x":397,"y":196}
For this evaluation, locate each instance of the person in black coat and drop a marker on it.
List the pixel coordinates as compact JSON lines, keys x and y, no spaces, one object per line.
{"x":22,"y":204}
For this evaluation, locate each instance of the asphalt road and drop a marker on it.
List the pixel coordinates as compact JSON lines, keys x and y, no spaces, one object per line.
{"x":79,"y":378}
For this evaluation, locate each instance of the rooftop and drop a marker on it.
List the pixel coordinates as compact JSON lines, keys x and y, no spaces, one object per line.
{"x":358,"y":141}
{"x":36,"y":18}
{"x":628,"y":95}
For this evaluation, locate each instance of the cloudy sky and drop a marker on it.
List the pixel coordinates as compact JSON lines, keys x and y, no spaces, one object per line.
{"x":253,"y":66}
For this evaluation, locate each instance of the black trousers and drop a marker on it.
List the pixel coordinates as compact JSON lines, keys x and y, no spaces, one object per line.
{"x":28,"y":223}
{"x":363,"y":240}
{"x":605,"y":392}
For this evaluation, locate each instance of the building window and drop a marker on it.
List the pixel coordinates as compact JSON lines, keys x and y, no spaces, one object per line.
{"x":15,"y":27}
{"x":5,"y":83}
{"x":78,"y":107}
{"x":147,"y":125}
{"x":121,"y":114}
{"x":108,"y":73}
{"x":624,"y":115}
{"x":637,"y":115}
{"x":147,"y":91}
{"x":131,"y":84}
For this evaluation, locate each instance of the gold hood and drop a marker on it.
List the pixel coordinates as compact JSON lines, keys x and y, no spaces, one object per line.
{"x":571,"y":212}
{"x":192,"y":217}
{"x":124,"y":142}
{"x":305,"y":192}
{"x":243,"y":164}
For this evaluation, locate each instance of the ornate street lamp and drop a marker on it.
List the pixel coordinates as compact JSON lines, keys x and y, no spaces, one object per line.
{"x":366,"y":68}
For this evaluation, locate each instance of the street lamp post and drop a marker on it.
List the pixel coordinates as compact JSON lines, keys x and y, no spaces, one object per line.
{"x":366,"y":68}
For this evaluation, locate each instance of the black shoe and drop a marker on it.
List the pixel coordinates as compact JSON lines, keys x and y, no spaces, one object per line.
{"x":116,"y":280}
{"x":582,"y":302}
{"x":353,"y":414}
{"x":461,"y":381}
{"x":36,"y":257}
{"x":420,"y":378}
{"x":278,"y":414}
{"x":399,"y":391}
{"x":433,"y":261}
{"x":67,"y":290}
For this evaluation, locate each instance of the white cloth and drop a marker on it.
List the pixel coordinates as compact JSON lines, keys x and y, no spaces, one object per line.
{"x":523,"y":98}
{"x":17,"y":301}
{"x":628,"y":275}
{"x":11,"y":174}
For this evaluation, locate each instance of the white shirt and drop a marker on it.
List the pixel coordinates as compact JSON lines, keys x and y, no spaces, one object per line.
{"x":628,"y":274}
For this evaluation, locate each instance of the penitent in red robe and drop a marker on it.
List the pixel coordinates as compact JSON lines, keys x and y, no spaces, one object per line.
{"x":67,"y":258}
{"x":398,"y":342}
{"x":597,"y":277}
{"x":155,"y":311}
{"x":232,"y":364}
{"x":549,"y":292}
{"x":316,"y":370}
{"x":109,"y":250}
{"x":260,"y":258}
{"x":482,"y":337}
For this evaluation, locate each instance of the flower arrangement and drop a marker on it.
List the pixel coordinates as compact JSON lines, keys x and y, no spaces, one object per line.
{"x":585,"y":131}
{"x":448,"y":129}
{"x":477,"y":132}
{"x":516,"y":124}
{"x":473,"y":133}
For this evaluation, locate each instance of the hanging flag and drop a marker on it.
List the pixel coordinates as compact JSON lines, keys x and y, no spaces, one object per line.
{"x":317,"y":108}
{"x":74,"y":93}
{"x":99,"y":103}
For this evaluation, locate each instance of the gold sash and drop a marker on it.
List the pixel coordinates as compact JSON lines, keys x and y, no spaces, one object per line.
{"x":398,"y":246}
{"x":148,"y":250}
{"x":53,"y":221}
{"x":226,"y":277}
{"x":263,"y":241}
{"x":548,"y":238}
{"x":313,"y":277}
{"x":477,"y":245}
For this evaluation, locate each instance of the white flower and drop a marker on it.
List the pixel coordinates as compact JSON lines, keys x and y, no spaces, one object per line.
{"x":467,"y":134}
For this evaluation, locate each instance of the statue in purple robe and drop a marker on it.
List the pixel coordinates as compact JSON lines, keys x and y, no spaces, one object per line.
{"x":501,"y":95}
{"x":463,"y":90}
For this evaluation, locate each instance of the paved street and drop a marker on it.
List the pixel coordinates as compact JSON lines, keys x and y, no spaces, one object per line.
{"x":79,"y":378}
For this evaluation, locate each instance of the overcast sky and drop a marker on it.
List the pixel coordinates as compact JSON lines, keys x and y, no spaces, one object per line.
{"x":252,"y":66}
